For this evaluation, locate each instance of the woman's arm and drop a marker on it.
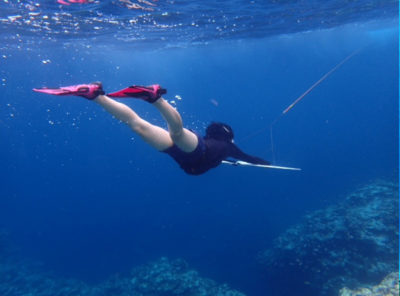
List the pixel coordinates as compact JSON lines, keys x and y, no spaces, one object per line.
{"x":238,"y":154}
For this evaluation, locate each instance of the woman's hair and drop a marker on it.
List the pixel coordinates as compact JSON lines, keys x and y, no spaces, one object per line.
{"x":219,"y":131}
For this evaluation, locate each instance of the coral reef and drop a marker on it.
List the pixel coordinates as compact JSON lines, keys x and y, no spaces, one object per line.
{"x":349,"y":244}
{"x":166,"y":277}
{"x":163,"y":277}
{"x":388,"y":287}
{"x":19,"y":278}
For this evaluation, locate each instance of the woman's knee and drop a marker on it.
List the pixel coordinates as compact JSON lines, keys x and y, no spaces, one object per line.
{"x":139,"y":126}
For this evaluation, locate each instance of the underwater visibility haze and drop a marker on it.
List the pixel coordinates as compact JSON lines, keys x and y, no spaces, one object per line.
{"x":88,"y":208}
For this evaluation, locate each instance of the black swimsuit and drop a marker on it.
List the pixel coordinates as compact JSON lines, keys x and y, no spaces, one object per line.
{"x":208,"y":154}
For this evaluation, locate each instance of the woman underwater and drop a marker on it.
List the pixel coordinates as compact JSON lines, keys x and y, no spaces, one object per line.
{"x":195,"y":154}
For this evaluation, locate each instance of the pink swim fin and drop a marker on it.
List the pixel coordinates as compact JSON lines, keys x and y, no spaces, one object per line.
{"x":148,"y":93}
{"x":88,"y":91}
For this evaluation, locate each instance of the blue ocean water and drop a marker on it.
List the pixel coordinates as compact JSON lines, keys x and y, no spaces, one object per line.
{"x":86,"y":197}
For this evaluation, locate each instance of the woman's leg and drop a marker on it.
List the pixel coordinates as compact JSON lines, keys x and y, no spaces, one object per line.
{"x":182,"y":137}
{"x":154,"y":135}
